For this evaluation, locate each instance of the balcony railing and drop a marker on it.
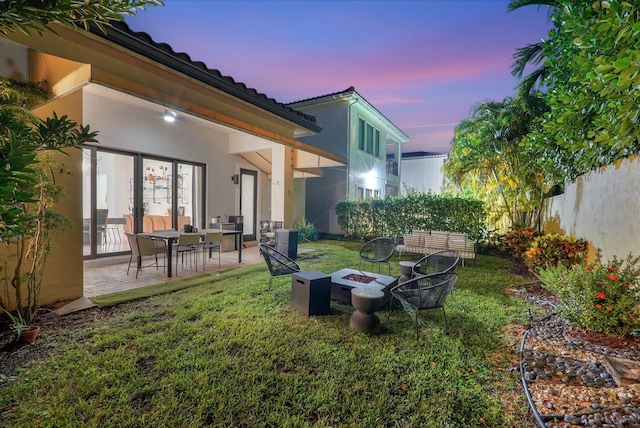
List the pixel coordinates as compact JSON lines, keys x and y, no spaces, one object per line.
{"x":392,"y":167}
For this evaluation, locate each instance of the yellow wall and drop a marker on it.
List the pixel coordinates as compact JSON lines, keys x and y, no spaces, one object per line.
{"x":63,"y":273}
{"x":58,"y":74}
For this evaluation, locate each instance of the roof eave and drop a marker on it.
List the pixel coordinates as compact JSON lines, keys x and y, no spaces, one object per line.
{"x":126,"y":40}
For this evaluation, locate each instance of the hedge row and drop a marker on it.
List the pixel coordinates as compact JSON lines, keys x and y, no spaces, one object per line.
{"x":396,"y":215}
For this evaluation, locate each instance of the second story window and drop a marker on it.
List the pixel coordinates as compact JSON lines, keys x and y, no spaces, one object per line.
{"x":368,"y":138}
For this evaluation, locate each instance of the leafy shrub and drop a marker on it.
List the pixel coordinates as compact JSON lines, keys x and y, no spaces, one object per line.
{"x":396,"y":215}
{"x":554,"y":249}
{"x":596,"y":296}
{"x":307,"y":231}
{"x":491,"y":245}
{"x":518,"y":241}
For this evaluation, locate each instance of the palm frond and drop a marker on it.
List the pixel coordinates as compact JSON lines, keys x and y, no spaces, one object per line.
{"x":517,"y":4}
{"x":530,"y":54}
{"x":534,"y":80}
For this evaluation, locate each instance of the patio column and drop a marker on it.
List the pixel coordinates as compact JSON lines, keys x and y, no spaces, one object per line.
{"x":282,"y":185}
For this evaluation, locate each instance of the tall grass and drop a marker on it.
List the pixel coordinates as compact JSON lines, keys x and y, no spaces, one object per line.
{"x":226,"y":353}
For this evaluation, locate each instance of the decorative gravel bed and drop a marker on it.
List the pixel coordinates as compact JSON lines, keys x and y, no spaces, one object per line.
{"x":566,"y":381}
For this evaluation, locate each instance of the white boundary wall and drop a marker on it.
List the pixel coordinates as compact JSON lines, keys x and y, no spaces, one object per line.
{"x":603,"y":207}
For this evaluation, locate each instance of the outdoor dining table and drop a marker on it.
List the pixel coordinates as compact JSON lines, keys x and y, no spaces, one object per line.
{"x":171,"y":236}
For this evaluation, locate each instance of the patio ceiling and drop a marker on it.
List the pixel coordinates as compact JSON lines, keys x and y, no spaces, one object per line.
{"x":254,"y":149}
{"x":257,"y":151}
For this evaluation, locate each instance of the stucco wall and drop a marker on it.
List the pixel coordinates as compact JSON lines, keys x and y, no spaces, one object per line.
{"x":322,"y":195}
{"x":332,"y":118}
{"x":601,"y":206}
{"x":422,"y":175}
{"x":299,"y":200}
{"x":366,"y":170}
{"x":339,"y":122}
{"x":13,"y":60}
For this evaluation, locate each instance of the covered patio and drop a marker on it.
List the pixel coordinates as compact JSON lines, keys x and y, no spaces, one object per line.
{"x":109,"y":275}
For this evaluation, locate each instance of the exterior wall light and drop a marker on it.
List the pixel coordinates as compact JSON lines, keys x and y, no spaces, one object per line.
{"x":169,"y":116}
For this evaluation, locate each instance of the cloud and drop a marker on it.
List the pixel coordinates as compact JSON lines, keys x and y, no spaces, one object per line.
{"x":423,"y":64}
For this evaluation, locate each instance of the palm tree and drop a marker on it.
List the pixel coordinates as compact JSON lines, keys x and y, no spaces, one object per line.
{"x":487,"y":156}
{"x":28,"y":15}
{"x":531,"y":54}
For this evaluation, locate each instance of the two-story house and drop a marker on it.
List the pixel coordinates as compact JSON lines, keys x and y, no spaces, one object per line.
{"x":355,"y":130}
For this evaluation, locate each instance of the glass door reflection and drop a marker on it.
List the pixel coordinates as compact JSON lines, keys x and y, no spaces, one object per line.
{"x":157,"y":195}
{"x":106,"y":208}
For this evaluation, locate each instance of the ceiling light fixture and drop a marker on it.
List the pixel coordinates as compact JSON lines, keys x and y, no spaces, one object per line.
{"x":169,"y":116}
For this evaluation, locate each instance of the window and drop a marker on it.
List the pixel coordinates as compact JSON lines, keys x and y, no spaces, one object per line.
{"x":369,"y":148}
{"x":361,"y":126}
{"x":368,"y":138}
{"x":362,"y":193}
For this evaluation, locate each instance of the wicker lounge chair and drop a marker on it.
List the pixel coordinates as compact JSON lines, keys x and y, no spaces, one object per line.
{"x":425,"y":292}
{"x":378,"y":251}
{"x":278,"y":263}
{"x":439,"y":262}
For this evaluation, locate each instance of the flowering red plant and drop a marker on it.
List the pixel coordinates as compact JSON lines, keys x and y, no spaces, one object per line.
{"x":597,"y":296}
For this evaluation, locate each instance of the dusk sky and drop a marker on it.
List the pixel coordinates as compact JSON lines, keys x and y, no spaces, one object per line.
{"x":423,"y":64}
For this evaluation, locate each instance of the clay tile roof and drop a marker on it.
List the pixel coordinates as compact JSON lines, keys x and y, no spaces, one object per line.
{"x":141,"y":43}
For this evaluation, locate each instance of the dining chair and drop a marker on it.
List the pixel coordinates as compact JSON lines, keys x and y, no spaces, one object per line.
{"x":187,"y":243}
{"x":145,"y":246}
{"x":101,"y":224}
{"x":212,"y":241}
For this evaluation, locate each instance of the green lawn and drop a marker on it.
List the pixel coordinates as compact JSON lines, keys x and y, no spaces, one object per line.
{"x":223,"y":352}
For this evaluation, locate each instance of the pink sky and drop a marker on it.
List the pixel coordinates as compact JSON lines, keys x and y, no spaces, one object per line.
{"x":423,"y":64}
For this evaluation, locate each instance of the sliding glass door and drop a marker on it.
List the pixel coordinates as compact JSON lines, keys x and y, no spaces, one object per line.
{"x":107,"y":201}
{"x":156,"y":182}
{"x":172,"y":194}
{"x":125,"y":192}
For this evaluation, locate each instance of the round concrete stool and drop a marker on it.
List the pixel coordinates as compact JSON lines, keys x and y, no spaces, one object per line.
{"x":366,"y":301}
{"x":406,"y":269}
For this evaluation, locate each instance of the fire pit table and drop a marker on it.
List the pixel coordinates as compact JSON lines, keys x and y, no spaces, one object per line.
{"x":344,"y":280}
